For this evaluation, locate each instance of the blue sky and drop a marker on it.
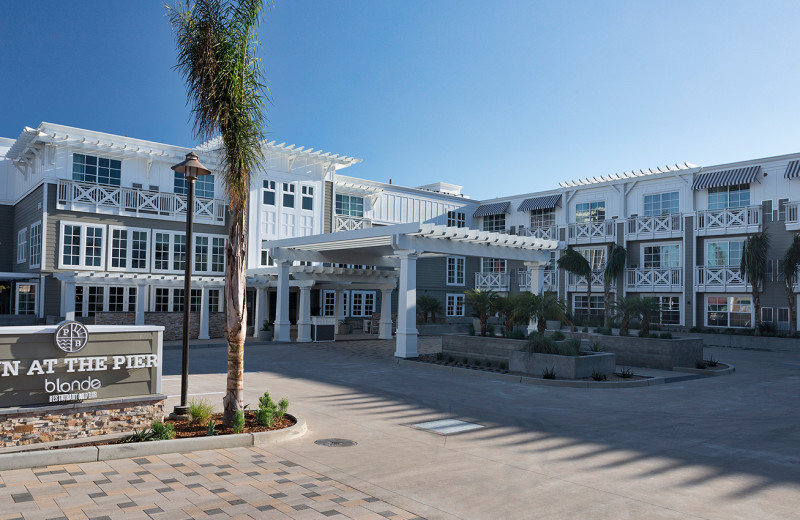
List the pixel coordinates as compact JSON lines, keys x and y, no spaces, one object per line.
{"x":501,"y":97}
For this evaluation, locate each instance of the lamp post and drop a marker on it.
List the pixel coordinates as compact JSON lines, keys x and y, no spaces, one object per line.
{"x":191,"y":168}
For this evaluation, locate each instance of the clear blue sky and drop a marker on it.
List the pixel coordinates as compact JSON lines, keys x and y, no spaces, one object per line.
{"x":502,"y":97}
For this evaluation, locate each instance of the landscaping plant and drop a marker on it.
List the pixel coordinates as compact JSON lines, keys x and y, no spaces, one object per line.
{"x":162,"y":431}
{"x":238,"y":422}
{"x":199,"y":411}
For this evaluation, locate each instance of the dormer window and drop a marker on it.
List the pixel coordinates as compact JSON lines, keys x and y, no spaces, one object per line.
{"x":96,"y":170}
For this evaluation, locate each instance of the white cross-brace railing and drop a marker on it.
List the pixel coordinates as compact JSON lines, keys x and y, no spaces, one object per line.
{"x":654,"y":225}
{"x":714,"y":220}
{"x":660,"y":278}
{"x":345,"y":223}
{"x":492,"y":281}
{"x":721,"y":277}
{"x":546,"y":233}
{"x":524,"y":280}
{"x":578,"y":281}
{"x":592,"y":231}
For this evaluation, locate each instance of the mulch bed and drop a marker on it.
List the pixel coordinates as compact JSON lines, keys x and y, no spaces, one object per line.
{"x":185,"y":429}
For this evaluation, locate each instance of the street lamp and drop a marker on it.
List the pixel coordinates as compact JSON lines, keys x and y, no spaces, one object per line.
{"x":191,"y":168}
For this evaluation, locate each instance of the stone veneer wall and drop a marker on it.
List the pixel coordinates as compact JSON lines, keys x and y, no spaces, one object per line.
{"x":172,"y":322}
{"x":22,"y":426}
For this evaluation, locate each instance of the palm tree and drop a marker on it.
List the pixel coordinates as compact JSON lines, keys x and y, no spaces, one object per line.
{"x":625,"y":309}
{"x":482,"y":303}
{"x":429,"y":304}
{"x":791,"y":263}
{"x":577,"y":264}
{"x":540,"y":307}
{"x":615,"y":265}
{"x":216,"y":44}
{"x":648,"y":312}
{"x":754,"y":267}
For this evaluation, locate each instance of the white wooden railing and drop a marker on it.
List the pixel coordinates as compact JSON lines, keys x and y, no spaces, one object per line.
{"x":599,"y":231}
{"x":346,"y":223}
{"x":662,"y":279}
{"x":82,"y":196}
{"x":524,"y":280}
{"x":725,"y":221}
{"x":492,"y":281}
{"x":657,"y":226}
{"x":574,"y":280}
{"x":792,"y":216}
{"x":713,"y":278}
{"x":545,"y":233}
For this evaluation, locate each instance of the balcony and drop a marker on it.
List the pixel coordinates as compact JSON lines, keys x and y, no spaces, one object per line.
{"x":134,"y":202}
{"x":662,"y":226}
{"x":492,"y":281}
{"x":578,"y":283}
{"x":793,"y":216}
{"x":720,"y":278}
{"x":545,"y":233}
{"x":591,"y":232}
{"x":347,"y":223}
{"x":728,"y":221}
{"x":668,"y":279}
{"x":550,"y":280}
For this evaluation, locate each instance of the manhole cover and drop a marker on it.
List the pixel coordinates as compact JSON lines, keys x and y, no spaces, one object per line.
{"x":447,"y":426}
{"x":335,"y":443}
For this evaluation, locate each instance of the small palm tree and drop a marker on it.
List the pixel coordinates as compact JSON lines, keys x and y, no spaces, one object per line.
{"x":754,"y":267}
{"x":506,"y":307}
{"x":429,"y":305}
{"x":649,"y":310}
{"x":615,"y":265}
{"x":626,"y":308}
{"x":482,"y":303}
{"x":540,"y":307}
{"x":577,"y":264}
{"x":791,"y":264}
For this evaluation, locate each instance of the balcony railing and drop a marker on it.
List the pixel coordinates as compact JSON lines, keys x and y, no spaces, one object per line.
{"x":550,"y":280}
{"x":729,"y":221}
{"x":82,"y":196}
{"x":662,"y":279}
{"x":662,"y":226}
{"x":721,"y":278}
{"x":346,"y":223}
{"x":792,"y":216}
{"x":545,"y":233}
{"x":492,"y":281}
{"x":591,"y":232}
{"x":576,"y":282}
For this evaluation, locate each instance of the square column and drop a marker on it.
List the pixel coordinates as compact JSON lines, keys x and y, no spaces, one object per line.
{"x":536,"y":274}
{"x":282,"y":324}
{"x":203,"y":332}
{"x":385,"y":324}
{"x":69,"y":301}
{"x":406,"y":343}
{"x":304,"y":316}
{"x":339,"y":312}
{"x":262,"y":311}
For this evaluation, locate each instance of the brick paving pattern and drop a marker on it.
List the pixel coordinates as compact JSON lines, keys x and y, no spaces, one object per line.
{"x":234,"y":483}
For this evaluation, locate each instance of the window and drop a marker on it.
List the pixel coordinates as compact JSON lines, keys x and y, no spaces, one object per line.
{"x":22,"y":245}
{"x":349,"y":205}
{"x":724,"y":254}
{"x":161,"y":249}
{"x":177,"y":300}
{"x":287,"y":225}
{"x":218,"y":255}
{"x":455,"y":304}
{"x":169,"y":252}
{"x":596,"y":257}
{"x":162,"y":300}
{"x":203,"y":186}
{"x":493,"y":265}
{"x":213,"y":300}
{"x":495,"y":223}
{"x":670,"y":310}
{"x":26,"y":298}
{"x":455,"y":270}
{"x":178,"y":252}
{"x":580,"y":307}
{"x":128,"y":249}
{"x":138,"y":252}
{"x":201,"y":254}
{"x":88,"y":168}
{"x":116,"y":299}
{"x":729,"y":197}
{"x":268,"y":194}
{"x":328,"y":303}
{"x":661,"y":204}
{"x":543,"y":217}
{"x":119,"y":248}
{"x":590,"y":212}
{"x":308,"y":197}
{"x":363,"y":303}
{"x":36,"y":245}
{"x":729,"y":311}
{"x":456,"y":219}
{"x":288,"y":195}
{"x":94,"y":300}
{"x":195,"y":299}
{"x":783,"y":318}
{"x":766,"y":314}
{"x":661,"y":256}
{"x":82,"y":246}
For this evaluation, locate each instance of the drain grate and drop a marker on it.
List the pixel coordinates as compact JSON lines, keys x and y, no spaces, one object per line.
{"x":336,"y":443}
{"x":448,"y":426}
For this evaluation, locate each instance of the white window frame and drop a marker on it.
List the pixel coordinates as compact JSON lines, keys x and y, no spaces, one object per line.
{"x":590,"y":257}
{"x":706,"y":243}
{"x":289,"y":189}
{"x":269,"y":187}
{"x":728,"y":304}
{"x":595,"y":297}
{"x":359,"y":310}
{"x":497,"y":226}
{"x":660,"y":194}
{"x":455,"y":302}
{"x":36,"y":245}
{"x":589,"y":204}
{"x":306,"y":193}
{"x":22,"y":245}
{"x":456,"y":219}
{"x":128,"y":249}
{"x":459,"y":270}
{"x":82,"y":251}
{"x":644,"y":245}
{"x":127,"y":306}
{"x":171,"y":252}
{"x":35,"y":291}
{"x":779,"y":323}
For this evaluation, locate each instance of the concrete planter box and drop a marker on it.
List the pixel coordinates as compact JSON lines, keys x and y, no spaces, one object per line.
{"x":479,"y":347}
{"x":553,"y":325}
{"x":662,"y":354}
{"x":565,"y":367}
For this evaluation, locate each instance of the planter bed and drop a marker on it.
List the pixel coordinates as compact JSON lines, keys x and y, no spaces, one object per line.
{"x":565,"y":367}
{"x":662,"y":354}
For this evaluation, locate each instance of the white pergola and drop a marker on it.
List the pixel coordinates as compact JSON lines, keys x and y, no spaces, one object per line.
{"x":398,"y":247}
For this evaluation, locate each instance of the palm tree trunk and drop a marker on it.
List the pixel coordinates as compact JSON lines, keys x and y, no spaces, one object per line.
{"x":757,"y":310}
{"x":236,"y":315}
{"x":606,"y":306}
{"x":790,"y":298}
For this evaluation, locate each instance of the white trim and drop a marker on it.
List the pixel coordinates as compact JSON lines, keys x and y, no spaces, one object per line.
{"x":462,"y":271}
{"x":128,"y":249}
{"x":706,"y":296}
{"x":31,"y":250}
{"x":171,"y":252}
{"x":455,"y":296}
{"x":22,"y":245}
{"x":17,"y":287}
{"x":643,"y":245}
{"x":82,"y":248}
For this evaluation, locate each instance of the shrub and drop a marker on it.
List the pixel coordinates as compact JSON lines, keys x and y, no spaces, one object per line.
{"x":283,"y":407}
{"x":549,"y":373}
{"x":143,"y":435}
{"x":624,"y":332}
{"x":696,"y":329}
{"x":200,"y":411}
{"x":450,"y":359}
{"x":238,"y":422}
{"x":517,"y":334}
{"x":656,"y":327}
{"x":642,"y":334}
{"x":711,"y":361}
{"x":162,"y":431}
{"x":653,"y":335}
{"x":767,"y":328}
{"x":439,"y":356}
{"x":701,"y":365}
{"x":477,"y":362}
{"x":265,"y":417}
{"x":625,"y":373}
{"x":598,"y":376}
{"x":571,"y":347}
{"x":596,"y":347}
{"x":210,"y":431}
{"x":558,"y":336}
{"x":585,"y":329}
{"x":541,"y":345}
{"x":604,"y":331}
{"x":665,"y":335}
{"x":503,"y":366}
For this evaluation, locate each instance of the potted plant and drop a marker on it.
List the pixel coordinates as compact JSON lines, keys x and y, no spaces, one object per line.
{"x":266,"y":330}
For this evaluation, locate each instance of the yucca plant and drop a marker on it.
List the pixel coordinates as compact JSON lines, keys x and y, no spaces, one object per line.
{"x":615,"y":266}
{"x":754,"y":266}
{"x":791,"y":264}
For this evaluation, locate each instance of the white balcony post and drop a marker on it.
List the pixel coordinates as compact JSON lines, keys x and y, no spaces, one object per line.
{"x":536,"y":276}
{"x":304,"y":316}
{"x":203,"y":332}
{"x":385,"y":324}
{"x":69,"y":301}
{"x":282,"y":325}
{"x":406,"y":343}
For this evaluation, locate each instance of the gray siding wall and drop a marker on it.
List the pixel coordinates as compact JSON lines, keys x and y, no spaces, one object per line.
{"x":28,"y":211}
{"x":8,"y":238}
{"x":327,"y":208}
{"x":690,"y":301}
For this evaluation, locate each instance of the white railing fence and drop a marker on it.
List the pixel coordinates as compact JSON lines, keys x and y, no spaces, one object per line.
{"x":723,"y":219}
{"x":492,"y":281}
{"x":578,"y":281}
{"x":654,"y":225}
{"x":599,"y":230}
{"x":661,"y":278}
{"x":721,"y":277}
{"x":345,"y":223}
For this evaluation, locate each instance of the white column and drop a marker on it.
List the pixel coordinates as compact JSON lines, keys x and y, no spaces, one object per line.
{"x":304,"y":316}
{"x":406,"y":343}
{"x":282,"y":324}
{"x":338,"y":313}
{"x":385,"y":326}
{"x":262,"y":303}
{"x":141,"y":303}
{"x":203,"y":332}
{"x":69,"y":300}
{"x":536,"y":275}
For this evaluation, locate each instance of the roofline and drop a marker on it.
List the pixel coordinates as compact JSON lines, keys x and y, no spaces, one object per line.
{"x":748,"y":162}
{"x":408,"y":189}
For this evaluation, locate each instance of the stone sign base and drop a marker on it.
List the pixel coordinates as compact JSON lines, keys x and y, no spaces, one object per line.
{"x":31,"y":425}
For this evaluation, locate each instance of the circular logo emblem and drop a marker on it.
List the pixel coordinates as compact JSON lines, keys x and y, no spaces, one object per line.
{"x":71,"y":336}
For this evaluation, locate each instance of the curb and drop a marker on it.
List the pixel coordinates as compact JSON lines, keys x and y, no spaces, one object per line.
{"x":513,"y":378}
{"x":705,"y":372}
{"x":50,"y":457}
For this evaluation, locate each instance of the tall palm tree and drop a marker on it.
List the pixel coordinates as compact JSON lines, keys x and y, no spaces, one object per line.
{"x":577,"y":264}
{"x":482,"y":303}
{"x":754,"y":266}
{"x":791,"y":263}
{"x":615,"y":265}
{"x":216,"y":44}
